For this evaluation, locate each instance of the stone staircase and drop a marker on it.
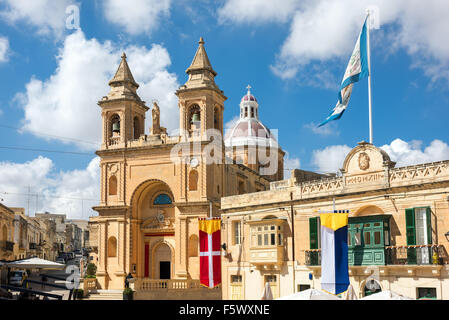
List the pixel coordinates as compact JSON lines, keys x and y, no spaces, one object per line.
{"x":106,"y":295}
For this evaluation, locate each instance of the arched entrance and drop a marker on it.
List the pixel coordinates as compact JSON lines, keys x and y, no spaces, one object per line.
{"x":152,"y":205}
{"x":370,"y":287}
{"x":162,"y":261}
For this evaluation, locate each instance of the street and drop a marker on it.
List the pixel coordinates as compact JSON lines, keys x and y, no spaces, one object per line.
{"x":58,"y":275}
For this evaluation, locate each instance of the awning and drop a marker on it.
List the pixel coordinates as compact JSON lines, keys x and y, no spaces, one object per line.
{"x":35,"y":263}
{"x":386,"y":295}
{"x":310,"y":294}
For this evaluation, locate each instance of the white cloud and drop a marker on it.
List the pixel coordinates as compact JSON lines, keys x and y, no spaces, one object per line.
{"x":68,"y":99}
{"x":326,"y":130}
{"x":330,"y":159}
{"x":138,"y":16}
{"x":47,"y":16}
{"x":228,"y":126}
{"x":256,"y":11}
{"x":290,"y":163}
{"x":4,"y":49}
{"x":411,"y":153}
{"x":323,"y":33}
{"x":57,"y":192}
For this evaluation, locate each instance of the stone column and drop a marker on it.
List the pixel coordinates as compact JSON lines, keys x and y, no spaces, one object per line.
{"x":102,"y":256}
{"x":181,"y":246}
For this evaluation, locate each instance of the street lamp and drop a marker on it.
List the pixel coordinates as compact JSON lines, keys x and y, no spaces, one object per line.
{"x":447,"y":235}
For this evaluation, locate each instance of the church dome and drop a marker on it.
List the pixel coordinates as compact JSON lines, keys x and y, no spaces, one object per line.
{"x":249,"y":97}
{"x":249,"y":130}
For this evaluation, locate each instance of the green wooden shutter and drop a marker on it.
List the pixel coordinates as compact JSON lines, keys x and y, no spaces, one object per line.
{"x":429,"y":225}
{"x":411,"y":235}
{"x":410,"y":227}
{"x":313,"y":232}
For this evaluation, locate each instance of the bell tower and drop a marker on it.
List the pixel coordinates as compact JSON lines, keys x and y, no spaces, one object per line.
{"x":123,"y":112}
{"x":201,"y":102}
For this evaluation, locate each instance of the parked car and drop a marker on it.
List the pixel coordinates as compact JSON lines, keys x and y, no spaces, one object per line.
{"x":16,"y":278}
{"x":60,"y":260}
{"x":63,"y":256}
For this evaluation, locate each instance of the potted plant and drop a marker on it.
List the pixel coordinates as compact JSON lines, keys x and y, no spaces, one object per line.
{"x":78,"y":294}
{"x":91,"y":270}
{"x":128,"y":294}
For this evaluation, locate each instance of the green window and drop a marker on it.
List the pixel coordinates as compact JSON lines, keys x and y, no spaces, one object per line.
{"x":313,"y":228}
{"x":367,"y":238}
{"x":418,"y":227}
{"x":314,"y":233}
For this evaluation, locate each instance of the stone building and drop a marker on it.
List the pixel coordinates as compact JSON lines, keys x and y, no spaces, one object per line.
{"x":6,"y":233}
{"x":398,"y":232}
{"x":34,"y":237}
{"x":154,"y":187}
{"x":68,"y":236}
{"x":83,"y":232}
{"x":20,"y":234}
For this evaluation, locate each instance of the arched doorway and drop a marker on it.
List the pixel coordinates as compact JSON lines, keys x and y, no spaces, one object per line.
{"x":152,"y":203}
{"x":162,"y":261}
{"x":371,"y":287}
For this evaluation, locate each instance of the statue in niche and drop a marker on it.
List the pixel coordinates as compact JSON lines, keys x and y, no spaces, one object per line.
{"x":156,"y":113}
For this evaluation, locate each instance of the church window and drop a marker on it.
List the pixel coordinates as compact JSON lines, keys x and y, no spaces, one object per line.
{"x":195,"y":117}
{"x":252,"y":112}
{"x":113,"y":186}
{"x":112,"y":247}
{"x":115,"y":125}
{"x":193,"y":246}
{"x":193,"y":180}
{"x":246,"y":112}
{"x":241,"y":187}
{"x":216,"y":119}
{"x":162,"y":199}
{"x":136,"y":128}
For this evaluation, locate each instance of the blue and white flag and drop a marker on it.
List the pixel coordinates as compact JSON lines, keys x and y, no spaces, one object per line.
{"x":334,"y":252}
{"x":356,"y":70}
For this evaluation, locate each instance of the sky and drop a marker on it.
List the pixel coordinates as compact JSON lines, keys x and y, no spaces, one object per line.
{"x":57,"y":56}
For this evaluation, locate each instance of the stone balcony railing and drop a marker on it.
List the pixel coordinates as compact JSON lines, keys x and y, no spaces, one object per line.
{"x":146,"y":284}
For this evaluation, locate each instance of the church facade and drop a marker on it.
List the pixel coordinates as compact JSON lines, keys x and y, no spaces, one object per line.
{"x":154,"y":187}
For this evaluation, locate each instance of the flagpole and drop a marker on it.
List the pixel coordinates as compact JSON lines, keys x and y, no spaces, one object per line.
{"x":369,"y":77}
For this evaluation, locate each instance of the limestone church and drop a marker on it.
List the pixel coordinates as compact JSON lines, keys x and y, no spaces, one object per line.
{"x":150,"y":205}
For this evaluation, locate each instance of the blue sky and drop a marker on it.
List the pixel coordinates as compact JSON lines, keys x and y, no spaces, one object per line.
{"x":293,"y":53}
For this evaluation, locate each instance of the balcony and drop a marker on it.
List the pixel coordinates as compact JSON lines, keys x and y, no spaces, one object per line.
{"x":269,"y":255}
{"x":393,"y":256}
{"x":7,"y":246}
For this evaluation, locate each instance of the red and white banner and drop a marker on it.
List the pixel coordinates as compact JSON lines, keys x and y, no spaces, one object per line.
{"x":210,"y":251}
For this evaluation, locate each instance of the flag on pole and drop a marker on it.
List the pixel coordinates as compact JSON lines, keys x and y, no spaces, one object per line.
{"x":210,"y":251}
{"x":356,"y":70}
{"x":334,"y":252}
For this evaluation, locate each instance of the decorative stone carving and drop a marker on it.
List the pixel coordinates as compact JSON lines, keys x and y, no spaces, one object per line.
{"x":364,"y":161}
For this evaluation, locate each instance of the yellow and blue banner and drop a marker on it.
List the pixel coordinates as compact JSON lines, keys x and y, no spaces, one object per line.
{"x":334,"y":252}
